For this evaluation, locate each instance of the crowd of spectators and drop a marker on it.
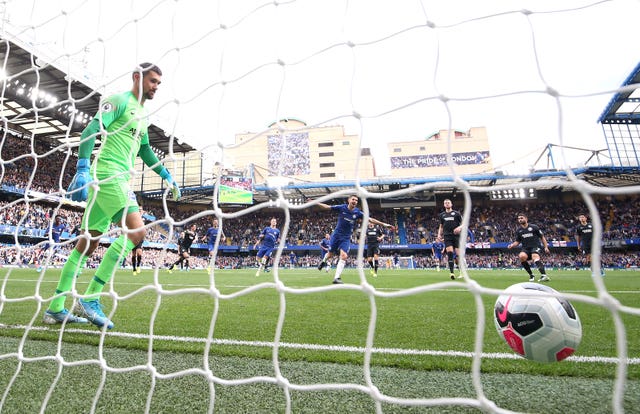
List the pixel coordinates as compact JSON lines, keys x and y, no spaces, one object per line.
{"x":36,"y":167}
{"x":494,"y":223}
{"x":288,"y":154}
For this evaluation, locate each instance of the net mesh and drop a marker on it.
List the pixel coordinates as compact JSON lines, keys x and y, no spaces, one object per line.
{"x":204,"y":52}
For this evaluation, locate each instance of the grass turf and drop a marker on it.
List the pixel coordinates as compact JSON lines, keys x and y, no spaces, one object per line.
{"x":425,"y":327}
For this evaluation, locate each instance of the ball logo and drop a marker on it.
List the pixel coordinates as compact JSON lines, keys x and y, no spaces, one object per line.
{"x":502,"y":315}
{"x":106,"y":107}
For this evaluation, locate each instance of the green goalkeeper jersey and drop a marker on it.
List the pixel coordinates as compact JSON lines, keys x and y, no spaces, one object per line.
{"x":126,"y":125}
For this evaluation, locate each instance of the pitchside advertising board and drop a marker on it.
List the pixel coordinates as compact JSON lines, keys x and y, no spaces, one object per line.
{"x":235,"y":190}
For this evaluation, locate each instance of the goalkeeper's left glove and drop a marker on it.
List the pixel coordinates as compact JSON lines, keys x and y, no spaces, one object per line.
{"x":175,"y":190}
{"x":78,"y":188}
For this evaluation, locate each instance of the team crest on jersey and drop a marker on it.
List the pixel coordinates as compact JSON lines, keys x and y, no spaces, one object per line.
{"x":530,"y":229}
{"x":106,"y":107}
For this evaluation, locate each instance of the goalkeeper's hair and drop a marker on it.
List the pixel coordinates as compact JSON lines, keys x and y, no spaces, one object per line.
{"x":147,"y":67}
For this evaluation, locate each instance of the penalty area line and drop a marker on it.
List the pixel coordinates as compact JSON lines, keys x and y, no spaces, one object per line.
{"x":315,"y":347}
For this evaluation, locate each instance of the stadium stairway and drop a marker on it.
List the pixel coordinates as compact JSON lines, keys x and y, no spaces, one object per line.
{"x":402,"y":231}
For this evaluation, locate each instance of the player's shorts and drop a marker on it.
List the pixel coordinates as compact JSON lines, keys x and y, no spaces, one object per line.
{"x":438,"y":255}
{"x":373,"y":251}
{"x":529,"y":252}
{"x":106,"y":205}
{"x":138,"y":246}
{"x":265,"y":252}
{"x":182,"y":250}
{"x":53,"y":246}
{"x":211,"y":246}
{"x":338,"y":243}
{"x":586,"y":249}
{"x":451,"y":240}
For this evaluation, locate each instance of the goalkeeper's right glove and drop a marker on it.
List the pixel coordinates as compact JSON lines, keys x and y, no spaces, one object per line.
{"x":175,"y":190}
{"x":78,"y":187}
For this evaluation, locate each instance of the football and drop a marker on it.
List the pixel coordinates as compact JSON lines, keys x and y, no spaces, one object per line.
{"x":536,"y":325}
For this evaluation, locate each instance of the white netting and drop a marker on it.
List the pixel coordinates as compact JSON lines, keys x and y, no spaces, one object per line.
{"x":230,"y":67}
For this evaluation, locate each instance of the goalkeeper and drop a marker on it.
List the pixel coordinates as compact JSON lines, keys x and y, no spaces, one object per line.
{"x":122,"y":125}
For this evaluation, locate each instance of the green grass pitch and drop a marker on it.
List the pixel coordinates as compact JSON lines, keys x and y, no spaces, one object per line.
{"x":234,"y":342}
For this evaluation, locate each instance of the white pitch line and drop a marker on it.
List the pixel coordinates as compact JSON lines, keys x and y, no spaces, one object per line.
{"x":314,"y":347}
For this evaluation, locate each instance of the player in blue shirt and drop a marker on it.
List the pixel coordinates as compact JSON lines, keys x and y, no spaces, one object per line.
{"x":292,"y":259}
{"x":325,"y":245}
{"x":396,"y":261}
{"x":269,"y":238}
{"x":437,"y":248}
{"x":57,"y":228}
{"x":210,"y":237}
{"x":340,"y":243}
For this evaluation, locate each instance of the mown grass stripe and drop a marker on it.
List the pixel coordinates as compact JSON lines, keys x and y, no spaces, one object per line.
{"x":330,"y":348}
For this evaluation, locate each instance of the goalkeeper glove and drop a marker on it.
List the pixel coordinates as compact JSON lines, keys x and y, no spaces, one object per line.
{"x":171,"y":183}
{"x":78,"y":187}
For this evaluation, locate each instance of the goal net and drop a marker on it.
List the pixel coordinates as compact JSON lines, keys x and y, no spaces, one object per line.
{"x":288,"y":109}
{"x":397,"y":262}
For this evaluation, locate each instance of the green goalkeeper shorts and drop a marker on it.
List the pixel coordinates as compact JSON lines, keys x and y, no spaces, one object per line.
{"x":106,"y":205}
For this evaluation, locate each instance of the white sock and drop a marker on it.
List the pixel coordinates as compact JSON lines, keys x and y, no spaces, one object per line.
{"x":339,"y":268}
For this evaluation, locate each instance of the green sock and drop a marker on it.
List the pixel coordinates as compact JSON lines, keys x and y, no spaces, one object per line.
{"x":111,"y":260}
{"x":67,"y":276}
{"x":83,"y":261}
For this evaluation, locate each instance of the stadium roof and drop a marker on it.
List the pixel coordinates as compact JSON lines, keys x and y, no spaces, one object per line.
{"x":48,"y":113}
{"x":542,"y":180}
{"x":624,"y":107}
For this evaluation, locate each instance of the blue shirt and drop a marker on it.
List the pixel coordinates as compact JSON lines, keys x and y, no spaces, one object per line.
{"x":212,"y":233}
{"x":325,"y":243}
{"x":270,"y":237}
{"x":346,"y":220}
{"x":56,"y":232}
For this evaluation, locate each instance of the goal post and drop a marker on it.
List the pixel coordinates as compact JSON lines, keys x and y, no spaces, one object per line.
{"x":396,"y":262}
